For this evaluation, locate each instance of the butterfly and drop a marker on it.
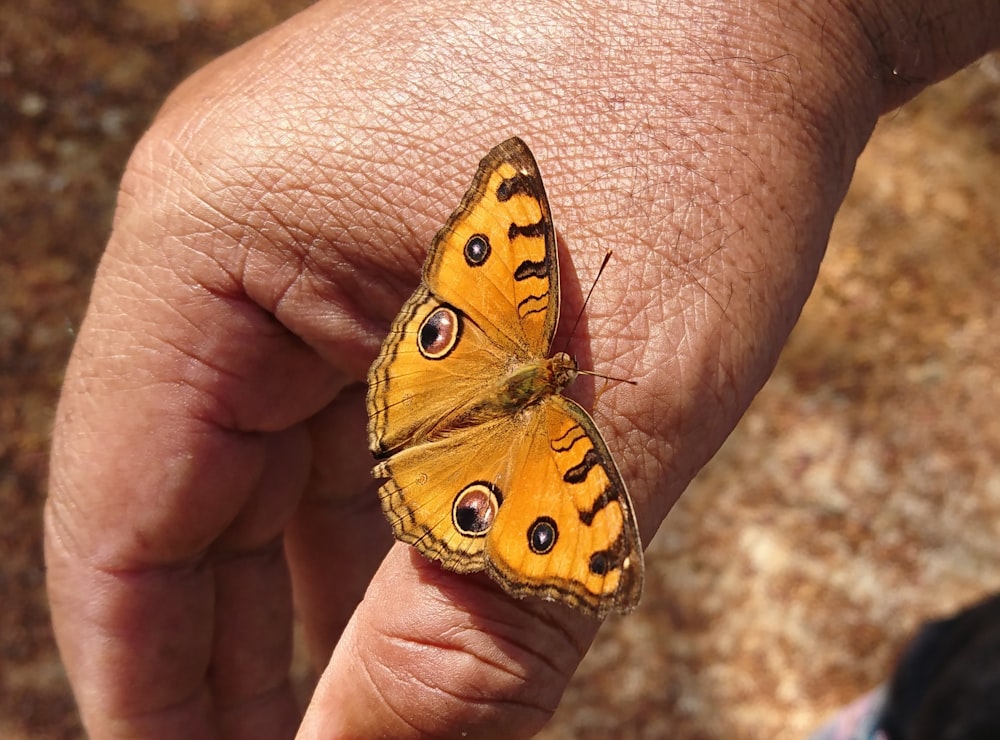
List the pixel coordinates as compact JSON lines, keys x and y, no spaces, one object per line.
{"x":486,"y":466}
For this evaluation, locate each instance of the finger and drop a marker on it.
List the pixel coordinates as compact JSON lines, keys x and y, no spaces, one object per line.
{"x":338,"y":536}
{"x":161,"y":648}
{"x":430,"y":653}
{"x":176,"y":462}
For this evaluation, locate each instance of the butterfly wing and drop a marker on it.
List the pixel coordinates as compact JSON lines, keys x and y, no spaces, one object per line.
{"x":567,"y":531}
{"x":433,"y":364}
{"x":489,"y":299}
{"x":496,"y":259}
{"x":535,"y":499}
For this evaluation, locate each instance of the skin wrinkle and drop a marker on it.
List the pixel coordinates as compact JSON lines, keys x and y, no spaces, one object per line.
{"x":201,"y":374}
{"x":265,"y":510}
{"x":180,"y":706}
{"x":488,"y":706}
{"x":279,"y":690}
{"x":209,"y":411}
{"x":490,"y":591}
{"x":540,"y":611}
{"x":97,"y":559}
{"x":239,"y":677}
{"x":187,"y":183}
{"x":726,"y":256}
{"x":577,"y":645}
{"x":540,"y":656}
{"x":59,"y":509}
{"x":184,"y":245}
{"x":115,"y":702}
{"x":307,"y":265}
{"x":346,"y":506}
{"x":63,"y":509}
{"x":231,"y":550}
{"x":267,"y":227}
{"x":191,"y":241}
{"x":230,"y":557}
{"x":199,"y":360}
{"x":201,"y":724}
{"x":236,"y":720}
{"x":460,"y":654}
{"x":507,"y":645}
{"x":382,"y":695}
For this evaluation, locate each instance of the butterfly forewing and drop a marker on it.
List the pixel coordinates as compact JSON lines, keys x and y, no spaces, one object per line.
{"x":412,"y":390}
{"x":496,"y":258}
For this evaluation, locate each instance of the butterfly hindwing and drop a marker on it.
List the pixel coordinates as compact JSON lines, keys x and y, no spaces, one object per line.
{"x":536,"y":501}
{"x":428,"y":488}
{"x":567,"y":530}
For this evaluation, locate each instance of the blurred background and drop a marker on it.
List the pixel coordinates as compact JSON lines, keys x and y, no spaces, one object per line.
{"x":859,"y":497}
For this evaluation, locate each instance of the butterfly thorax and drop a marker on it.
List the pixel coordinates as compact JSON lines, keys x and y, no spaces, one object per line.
{"x":533,"y":381}
{"x":527,"y":384}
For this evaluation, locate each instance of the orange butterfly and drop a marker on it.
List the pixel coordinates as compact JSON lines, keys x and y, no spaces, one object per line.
{"x":487,"y":466}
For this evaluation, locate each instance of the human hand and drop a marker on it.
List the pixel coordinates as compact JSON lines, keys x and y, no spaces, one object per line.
{"x":209,"y":449}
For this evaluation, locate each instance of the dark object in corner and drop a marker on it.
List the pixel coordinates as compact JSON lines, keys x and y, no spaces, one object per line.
{"x":947,"y":683}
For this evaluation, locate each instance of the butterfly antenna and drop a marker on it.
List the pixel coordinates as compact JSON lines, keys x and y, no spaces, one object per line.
{"x":579,"y":316}
{"x":608,"y":377}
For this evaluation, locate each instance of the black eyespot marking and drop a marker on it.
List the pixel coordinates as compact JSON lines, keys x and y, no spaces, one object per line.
{"x":602,"y":562}
{"x":439,"y":333}
{"x":477,"y":250}
{"x":542,"y":535}
{"x":475,"y":508}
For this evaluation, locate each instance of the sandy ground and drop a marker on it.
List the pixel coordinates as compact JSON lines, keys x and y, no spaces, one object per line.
{"x":859,"y":496}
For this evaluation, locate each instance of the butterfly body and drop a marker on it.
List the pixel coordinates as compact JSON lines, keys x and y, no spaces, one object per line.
{"x":486,"y":465}
{"x":526,"y":385}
